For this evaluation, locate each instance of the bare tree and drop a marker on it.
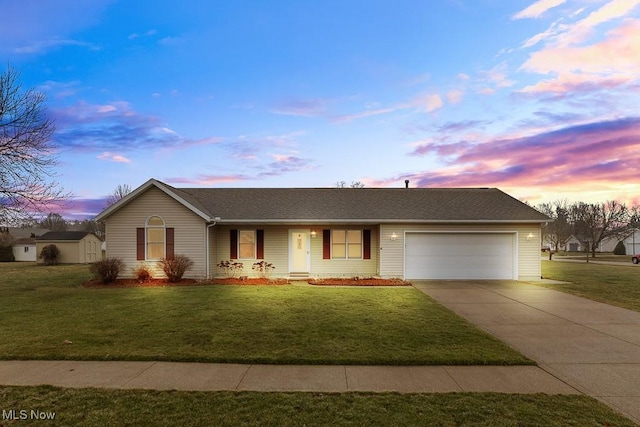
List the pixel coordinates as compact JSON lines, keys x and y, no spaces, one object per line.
{"x":54,"y":222}
{"x":558,"y":230}
{"x":119,"y":193}
{"x":595,"y":222}
{"x":26,"y":151}
{"x":354,"y":184}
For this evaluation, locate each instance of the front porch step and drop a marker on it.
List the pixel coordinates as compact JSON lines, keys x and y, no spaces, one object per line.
{"x":298,"y":275}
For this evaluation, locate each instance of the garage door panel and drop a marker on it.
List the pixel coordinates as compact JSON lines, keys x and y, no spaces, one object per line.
{"x":459,"y":256}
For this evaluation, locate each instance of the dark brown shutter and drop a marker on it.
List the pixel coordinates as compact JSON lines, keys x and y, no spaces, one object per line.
{"x":233,"y":244}
{"x":260,"y":244}
{"x":170,"y":244}
{"x":366,"y":244}
{"x":326,"y":244}
{"x":140,"y":244}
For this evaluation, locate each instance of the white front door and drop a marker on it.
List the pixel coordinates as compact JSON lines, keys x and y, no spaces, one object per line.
{"x":299,"y":251}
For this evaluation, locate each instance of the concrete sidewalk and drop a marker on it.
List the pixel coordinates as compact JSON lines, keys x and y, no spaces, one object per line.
{"x":286,"y":378}
{"x":591,"y":346}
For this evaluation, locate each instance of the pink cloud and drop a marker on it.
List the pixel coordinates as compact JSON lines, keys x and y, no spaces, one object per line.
{"x":619,"y":51}
{"x":594,"y":155}
{"x":113,"y":157}
{"x":610,"y":63}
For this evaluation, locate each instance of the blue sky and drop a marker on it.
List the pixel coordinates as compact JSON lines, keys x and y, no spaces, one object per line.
{"x":538,"y":98}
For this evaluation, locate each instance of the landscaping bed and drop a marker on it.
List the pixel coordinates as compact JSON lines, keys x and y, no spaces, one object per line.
{"x":256,"y":281}
{"x":134,"y":283}
{"x":358,"y":281}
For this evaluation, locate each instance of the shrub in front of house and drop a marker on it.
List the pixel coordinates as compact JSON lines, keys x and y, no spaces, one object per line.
{"x":175,"y":267}
{"x":49,"y":254}
{"x":263,"y":269}
{"x":6,"y":254}
{"x":230,"y":268}
{"x":142,"y":274}
{"x":620,"y":249}
{"x":107,"y":270}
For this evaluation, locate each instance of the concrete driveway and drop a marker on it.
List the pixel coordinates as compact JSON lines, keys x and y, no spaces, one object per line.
{"x":593,"y":347}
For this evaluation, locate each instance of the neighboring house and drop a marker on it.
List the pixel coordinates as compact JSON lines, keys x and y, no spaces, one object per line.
{"x":25,"y":249}
{"x":22,"y":241}
{"x":632,"y":242}
{"x":410,"y":233}
{"x":76,"y":247}
{"x":572,"y":244}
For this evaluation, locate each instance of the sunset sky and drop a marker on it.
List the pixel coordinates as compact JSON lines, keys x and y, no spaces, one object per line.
{"x":538,"y":98}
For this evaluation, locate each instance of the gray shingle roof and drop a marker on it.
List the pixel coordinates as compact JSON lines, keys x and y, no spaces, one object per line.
{"x":361,"y":204}
{"x":63,"y":235}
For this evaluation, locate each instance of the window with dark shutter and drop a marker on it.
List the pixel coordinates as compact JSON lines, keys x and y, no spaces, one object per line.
{"x":140,"y":244}
{"x":326,"y":244}
{"x":233,"y":245}
{"x":170,"y":244}
{"x":366,"y":244}
{"x":260,"y":244}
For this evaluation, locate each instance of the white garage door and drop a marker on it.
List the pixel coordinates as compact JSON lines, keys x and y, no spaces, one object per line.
{"x":459,"y":256}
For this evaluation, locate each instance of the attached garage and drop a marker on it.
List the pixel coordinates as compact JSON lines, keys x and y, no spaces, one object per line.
{"x":480,"y":255}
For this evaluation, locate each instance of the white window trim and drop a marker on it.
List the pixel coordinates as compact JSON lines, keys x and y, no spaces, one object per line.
{"x":346,"y":244}
{"x":255,"y":244}
{"x":146,"y":237}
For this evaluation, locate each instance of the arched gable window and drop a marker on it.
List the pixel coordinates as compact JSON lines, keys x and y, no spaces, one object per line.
{"x":155,"y":240}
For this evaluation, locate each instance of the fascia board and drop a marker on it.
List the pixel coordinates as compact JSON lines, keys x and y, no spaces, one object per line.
{"x":374,"y":221}
{"x":144,"y":187}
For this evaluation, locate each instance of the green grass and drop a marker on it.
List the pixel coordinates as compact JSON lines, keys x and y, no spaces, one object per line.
{"x":600,"y":256}
{"x":613,"y":284}
{"x":94,"y":407}
{"x":44,"y":306}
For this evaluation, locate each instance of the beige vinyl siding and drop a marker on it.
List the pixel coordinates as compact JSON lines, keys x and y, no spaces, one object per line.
{"x":527,"y":253}
{"x":276,"y":249}
{"x":86,"y":250}
{"x":189,"y":231}
{"x":344,"y":267}
{"x":529,"y":259}
{"x":69,"y":251}
{"x":276,"y":252}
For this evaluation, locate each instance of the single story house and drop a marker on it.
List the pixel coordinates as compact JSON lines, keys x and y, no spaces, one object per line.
{"x":24,"y":249}
{"x":631,"y":241}
{"x":410,"y":233}
{"x":572,"y":244}
{"x":76,"y":247}
{"x":21,"y":241}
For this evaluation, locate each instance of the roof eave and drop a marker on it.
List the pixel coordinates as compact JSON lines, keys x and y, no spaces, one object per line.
{"x":377,"y":221}
{"x":144,"y":187}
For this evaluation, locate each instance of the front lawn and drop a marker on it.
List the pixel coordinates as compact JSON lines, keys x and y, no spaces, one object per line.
{"x":47,"y":314}
{"x":613,"y":284}
{"x":99,"y":407}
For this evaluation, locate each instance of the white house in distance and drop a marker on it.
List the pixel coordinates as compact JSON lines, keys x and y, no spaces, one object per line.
{"x":631,"y":243}
{"x":409,"y":233}
{"x":25,"y":249}
{"x":23,"y":241}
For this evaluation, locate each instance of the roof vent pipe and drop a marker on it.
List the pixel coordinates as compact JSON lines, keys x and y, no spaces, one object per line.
{"x":406,"y":183}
